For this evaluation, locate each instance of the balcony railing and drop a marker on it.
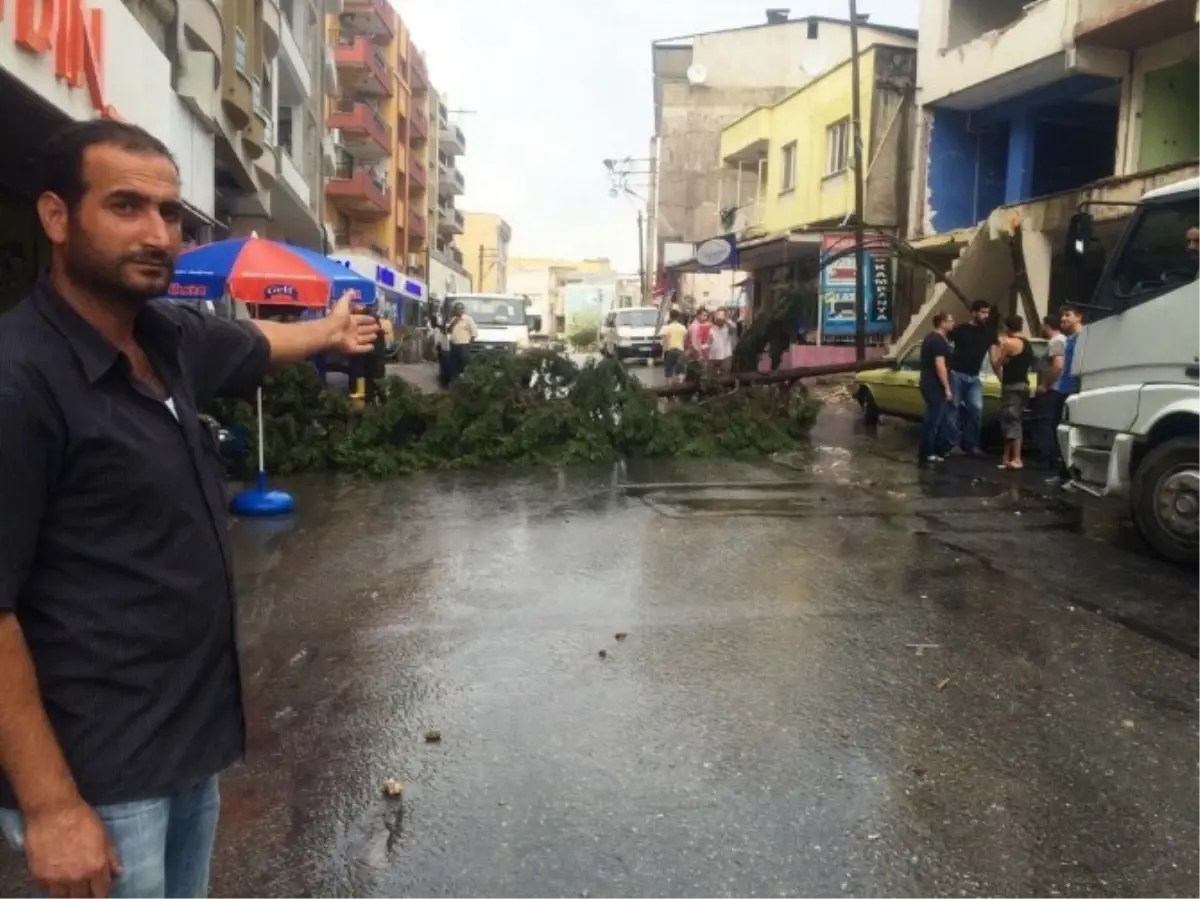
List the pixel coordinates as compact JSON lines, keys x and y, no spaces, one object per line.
{"x":451,"y":140}
{"x":417,"y":227}
{"x":358,"y":53}
{"x":418,"y":125}
{"x":373,"y":16}
{"x":360,"y":189}
{"x":416,"y":173}
{"x":418,"y":73}
{"x":354,"y":119}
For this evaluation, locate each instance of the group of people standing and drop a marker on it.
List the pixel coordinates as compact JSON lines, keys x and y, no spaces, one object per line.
{"x":952,"y":357}
{"x":707,"y":343}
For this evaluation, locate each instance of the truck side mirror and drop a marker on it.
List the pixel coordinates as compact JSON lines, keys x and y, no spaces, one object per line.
{"x":1079,"y":235}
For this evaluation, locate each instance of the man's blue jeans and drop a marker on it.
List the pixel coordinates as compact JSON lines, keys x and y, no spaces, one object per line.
{"x":966,"y":418}
{"x":934,"y":425}
{"x":165,"y":845}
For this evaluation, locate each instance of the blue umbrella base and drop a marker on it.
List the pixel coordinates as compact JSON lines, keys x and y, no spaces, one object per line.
{"x":262,"y":503}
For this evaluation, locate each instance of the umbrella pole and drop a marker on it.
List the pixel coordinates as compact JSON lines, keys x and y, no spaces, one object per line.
{"x":262,"y":455}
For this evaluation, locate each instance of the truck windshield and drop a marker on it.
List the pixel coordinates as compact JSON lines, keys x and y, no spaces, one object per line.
{"x":637,"y":318}
{"x":492,"y":310}
{"x":1162,"y":252}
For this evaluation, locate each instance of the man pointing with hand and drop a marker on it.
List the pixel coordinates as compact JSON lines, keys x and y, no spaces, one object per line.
{"x":121,"y":698}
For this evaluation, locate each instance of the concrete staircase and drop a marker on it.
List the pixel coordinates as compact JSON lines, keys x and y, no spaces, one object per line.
{"x":982,"y":270}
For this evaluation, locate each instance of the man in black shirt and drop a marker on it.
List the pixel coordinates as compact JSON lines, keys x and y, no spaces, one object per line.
{"x":971,"y":340}
{"x":121,"y":696}
{"x":935,"y":390}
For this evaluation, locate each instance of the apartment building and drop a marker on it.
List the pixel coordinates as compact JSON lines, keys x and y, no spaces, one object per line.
{"x":378,"y":121}
{"x":702,"y":83}
{"x":447,"y":270}
{"x":800,"y":153}
{"x":363,"y":192}
{"x":1028,"y":109}
{"x":484,"y":243}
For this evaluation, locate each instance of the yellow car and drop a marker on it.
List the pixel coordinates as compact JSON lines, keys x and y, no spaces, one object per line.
{"x":895,"y":390}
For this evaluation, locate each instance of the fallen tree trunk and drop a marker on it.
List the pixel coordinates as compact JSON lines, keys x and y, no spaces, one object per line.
{"x":785,"y":376}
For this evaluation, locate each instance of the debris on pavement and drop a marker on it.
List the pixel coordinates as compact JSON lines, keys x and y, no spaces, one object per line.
{"x":621,"y":635}
{"x":392,"y":788}
{"x":433,"y":735}
{"x":921,"y":647}
{"x":941,"y":685}
{"x":603,"y":653}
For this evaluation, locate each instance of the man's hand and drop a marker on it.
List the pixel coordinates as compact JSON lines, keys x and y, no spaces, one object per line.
{"x":949,"y":395}
{"x":350,"y":330}
{"x":1041,"y":388}
{"x":69,"y":852}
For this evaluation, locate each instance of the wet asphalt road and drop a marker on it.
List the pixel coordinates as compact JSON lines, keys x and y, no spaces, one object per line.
{"x":841,"y":677}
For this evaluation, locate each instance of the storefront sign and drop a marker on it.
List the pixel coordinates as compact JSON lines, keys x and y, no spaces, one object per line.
{"x":88,"y":58}
{"x":75,"y":36}
{"x":839,"y":266}
{"x":382,"y":274}
{"x":717,"y":252}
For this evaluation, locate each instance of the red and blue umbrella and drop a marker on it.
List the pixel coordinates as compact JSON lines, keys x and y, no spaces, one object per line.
{"x":256,"y":271}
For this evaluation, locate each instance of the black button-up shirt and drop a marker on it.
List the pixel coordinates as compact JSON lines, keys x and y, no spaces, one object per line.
{"x":114,"y":551}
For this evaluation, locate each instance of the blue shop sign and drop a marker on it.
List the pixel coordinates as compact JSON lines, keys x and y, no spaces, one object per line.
{"x":837,"y":288}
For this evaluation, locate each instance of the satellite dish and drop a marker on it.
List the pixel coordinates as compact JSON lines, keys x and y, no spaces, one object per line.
{"x":696,"y":73}
{"x":815,"y":61}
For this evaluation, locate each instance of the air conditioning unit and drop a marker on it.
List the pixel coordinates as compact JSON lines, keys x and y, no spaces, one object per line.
{"x":416,"y":260}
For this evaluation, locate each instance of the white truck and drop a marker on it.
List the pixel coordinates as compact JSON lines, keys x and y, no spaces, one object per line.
{"x":500,"y":318}
{"x":1132,"y":430}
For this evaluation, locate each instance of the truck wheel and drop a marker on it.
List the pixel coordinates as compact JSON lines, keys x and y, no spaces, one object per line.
{"x":1165,"y":496}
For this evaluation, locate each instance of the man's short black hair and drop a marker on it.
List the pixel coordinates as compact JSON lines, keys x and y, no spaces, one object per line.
{"x":980,"y":305}
{"x":1014,"y":323}
{"x":1070,"y":307}
{"x":1051,"y":321}
{"x":62,"y":158}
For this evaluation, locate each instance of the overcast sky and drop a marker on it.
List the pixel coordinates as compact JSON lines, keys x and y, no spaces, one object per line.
{"x":554,"y":87}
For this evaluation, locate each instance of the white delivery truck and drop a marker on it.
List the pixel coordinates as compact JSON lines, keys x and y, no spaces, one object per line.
{"x":500,"y":318}
{"x":1133,"y":428}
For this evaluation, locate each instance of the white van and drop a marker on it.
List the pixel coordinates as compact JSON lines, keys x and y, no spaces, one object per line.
{"x":631,"y":334}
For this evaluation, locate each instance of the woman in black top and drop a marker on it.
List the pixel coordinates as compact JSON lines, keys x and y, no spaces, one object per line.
{"x":1012,"y":358}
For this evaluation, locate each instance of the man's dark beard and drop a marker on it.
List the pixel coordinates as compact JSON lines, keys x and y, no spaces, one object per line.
{"x":104,"y":276}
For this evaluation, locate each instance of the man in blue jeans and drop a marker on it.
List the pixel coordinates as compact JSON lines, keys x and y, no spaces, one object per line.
{"x":971,"y":340}
{"x":121,"y":696}
{"x":935,"y":391}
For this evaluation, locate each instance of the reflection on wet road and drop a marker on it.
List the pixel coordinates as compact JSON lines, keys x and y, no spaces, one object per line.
{"x":840,"y":678}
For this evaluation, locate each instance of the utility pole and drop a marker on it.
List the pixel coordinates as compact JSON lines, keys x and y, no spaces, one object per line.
{"x":480,"y":287}
{"x":860,"y":298}
{"x":642,"y":260}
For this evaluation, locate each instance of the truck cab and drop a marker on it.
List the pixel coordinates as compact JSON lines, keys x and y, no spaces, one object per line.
{"x":1133,"y":428}
{"x":501,"y":319}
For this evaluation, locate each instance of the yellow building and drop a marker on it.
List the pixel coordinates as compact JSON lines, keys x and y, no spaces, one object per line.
{"x":797,"y":162}
{"x":797,"y":156}
{"x":376,"y":196}
{"x":484,"y":243}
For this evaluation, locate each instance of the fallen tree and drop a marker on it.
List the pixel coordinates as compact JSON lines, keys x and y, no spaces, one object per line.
{"x":535,"y":409}
{"x":738,"y":380}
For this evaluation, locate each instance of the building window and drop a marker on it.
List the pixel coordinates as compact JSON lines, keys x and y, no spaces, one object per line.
{"x":787,"y":172}
{"x":837,"y":147}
